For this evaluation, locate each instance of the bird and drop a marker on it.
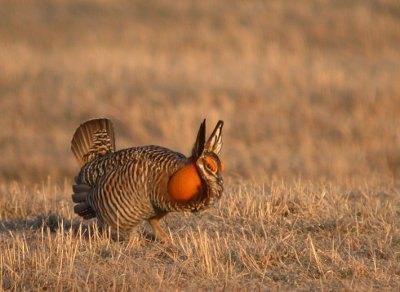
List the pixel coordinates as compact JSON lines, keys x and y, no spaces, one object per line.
{"x":123,"y":188}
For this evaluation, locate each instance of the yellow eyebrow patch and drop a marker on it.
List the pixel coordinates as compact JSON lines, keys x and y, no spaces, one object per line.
{"x":211,"y":163}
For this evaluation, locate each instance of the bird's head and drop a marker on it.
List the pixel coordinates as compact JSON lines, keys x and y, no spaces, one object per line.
{"x":203,"y":174}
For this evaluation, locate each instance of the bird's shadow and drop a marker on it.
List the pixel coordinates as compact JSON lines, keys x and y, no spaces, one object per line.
{"x":55,"y":223}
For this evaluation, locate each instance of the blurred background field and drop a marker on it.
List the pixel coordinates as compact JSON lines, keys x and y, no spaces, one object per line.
{"x":306,"y":88}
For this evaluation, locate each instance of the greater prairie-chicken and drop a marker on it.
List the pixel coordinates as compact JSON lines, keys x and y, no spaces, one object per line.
{"x":122,"y":188}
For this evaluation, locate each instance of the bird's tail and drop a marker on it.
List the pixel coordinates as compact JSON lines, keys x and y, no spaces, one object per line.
{"x":93,"y":139}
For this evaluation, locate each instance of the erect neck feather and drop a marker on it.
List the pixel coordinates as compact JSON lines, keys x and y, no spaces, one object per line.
{"x":185,"y":184}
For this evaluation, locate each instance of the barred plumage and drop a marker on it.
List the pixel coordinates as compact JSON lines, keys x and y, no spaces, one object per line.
{"x":122,"y":188}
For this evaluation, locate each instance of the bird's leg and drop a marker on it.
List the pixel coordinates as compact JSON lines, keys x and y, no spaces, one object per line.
{"x":158,"y":231}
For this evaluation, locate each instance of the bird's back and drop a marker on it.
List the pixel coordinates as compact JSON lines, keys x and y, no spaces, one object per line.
{"x":154,"y":159}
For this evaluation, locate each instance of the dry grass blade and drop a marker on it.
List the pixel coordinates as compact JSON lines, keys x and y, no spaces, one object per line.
{"x":342,"y":237}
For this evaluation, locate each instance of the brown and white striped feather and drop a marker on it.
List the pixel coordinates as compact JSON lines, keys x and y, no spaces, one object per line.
{"x":93,"y":139}
{"x":130,"y":185}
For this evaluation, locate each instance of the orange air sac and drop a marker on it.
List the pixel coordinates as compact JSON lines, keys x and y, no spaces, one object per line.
{"x":184,"y":184}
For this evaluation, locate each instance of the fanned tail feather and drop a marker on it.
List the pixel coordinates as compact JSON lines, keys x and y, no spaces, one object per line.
{"x":93,"y":139}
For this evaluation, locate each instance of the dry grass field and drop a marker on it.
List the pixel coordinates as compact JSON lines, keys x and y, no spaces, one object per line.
{"x":310,"y":95}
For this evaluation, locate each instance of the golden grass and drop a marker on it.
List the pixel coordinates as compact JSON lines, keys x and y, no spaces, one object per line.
{"x":299,"y":235}
{"x":310,"y":95}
